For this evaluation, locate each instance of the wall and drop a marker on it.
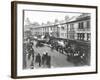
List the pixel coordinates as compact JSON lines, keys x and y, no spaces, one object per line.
{"x":5,"y":40}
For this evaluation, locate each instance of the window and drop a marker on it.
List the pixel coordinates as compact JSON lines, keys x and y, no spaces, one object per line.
{"x":71,"y":27}
{"x":50,"y":28}
{"x":81,"y":25}
{"x":88,"y":24}
{"x":62,"y":34}
{"x":62,"y":27}
{"x":88,"y":36}
{"x":78,"y":36}
{"x":83,"y":36}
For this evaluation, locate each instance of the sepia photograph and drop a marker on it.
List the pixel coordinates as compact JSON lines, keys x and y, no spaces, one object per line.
{"x":53,"y":39}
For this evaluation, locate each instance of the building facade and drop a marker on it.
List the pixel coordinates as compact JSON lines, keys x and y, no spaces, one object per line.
{"x":78,"y":29}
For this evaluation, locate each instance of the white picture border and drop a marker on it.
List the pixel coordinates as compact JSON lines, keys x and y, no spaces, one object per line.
{"x":31,"y":72}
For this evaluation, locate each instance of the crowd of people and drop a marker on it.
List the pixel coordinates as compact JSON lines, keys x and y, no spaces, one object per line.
{"x":75,"y":53}
{"x":36,"y":58}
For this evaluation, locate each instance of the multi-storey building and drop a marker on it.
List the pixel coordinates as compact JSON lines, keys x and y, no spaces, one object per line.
{"x":78,"y":29}
{"x":83,"y":30}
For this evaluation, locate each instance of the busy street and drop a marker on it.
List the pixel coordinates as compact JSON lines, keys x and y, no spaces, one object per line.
{"x":57,"y":59}
{"x":55,"y":56}
{"x":60,"y":43}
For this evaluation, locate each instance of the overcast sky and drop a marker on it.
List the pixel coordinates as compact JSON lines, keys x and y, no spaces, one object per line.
{"x":43,"y":17}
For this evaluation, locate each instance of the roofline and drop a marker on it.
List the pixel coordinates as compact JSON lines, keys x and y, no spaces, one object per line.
{"x":61,"y":23}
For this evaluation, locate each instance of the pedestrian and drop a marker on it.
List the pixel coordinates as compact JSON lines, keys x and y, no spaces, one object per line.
{"x":30,"y":52}
{"x":38,"y":59}
{"x":24,"y":56}
{"x":49,"y":61}
{"x":43,"y":58}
